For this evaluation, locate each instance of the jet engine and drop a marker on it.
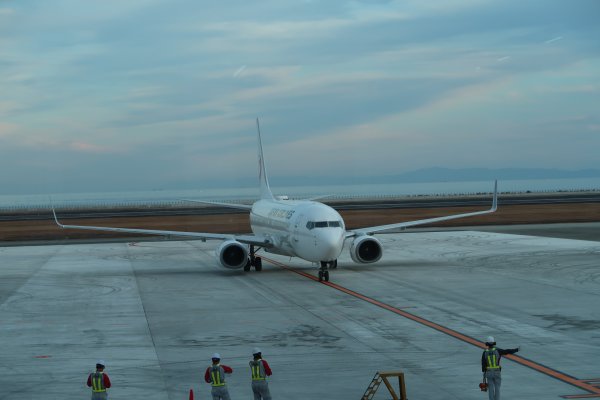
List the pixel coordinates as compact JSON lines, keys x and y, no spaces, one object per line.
{"x":232,"y":254}
{"x":366,"y":249}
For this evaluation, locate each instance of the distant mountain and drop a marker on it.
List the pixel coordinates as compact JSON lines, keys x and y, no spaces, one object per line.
{"x":424,"y":175}
{"x":439,"y":174}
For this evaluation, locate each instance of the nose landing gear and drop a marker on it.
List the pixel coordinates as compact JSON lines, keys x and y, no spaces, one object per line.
{"x":253,"y":261}
{"x":324,"y":270}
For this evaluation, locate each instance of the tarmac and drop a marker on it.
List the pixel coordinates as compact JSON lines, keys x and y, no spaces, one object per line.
{"x":156,"y":311}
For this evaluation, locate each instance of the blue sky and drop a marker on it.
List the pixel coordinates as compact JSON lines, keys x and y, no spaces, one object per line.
{"x":120,"y":95}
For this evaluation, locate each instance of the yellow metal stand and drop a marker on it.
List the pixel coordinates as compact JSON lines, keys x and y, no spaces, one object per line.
{"x":383,"y":377}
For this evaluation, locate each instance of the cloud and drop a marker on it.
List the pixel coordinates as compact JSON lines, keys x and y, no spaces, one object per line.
{"x":239,"y":71}
{"x":553,"y":40}
{"x":90,"y":148}
{"x":352,"y":84}
{"x":6,"y":129}
{"x":9,"y":107}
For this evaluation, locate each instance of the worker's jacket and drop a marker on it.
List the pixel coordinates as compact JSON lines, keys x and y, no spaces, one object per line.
{"x":260,"y":370}
{"x":490,"y":359}
{"x":215,"y":374}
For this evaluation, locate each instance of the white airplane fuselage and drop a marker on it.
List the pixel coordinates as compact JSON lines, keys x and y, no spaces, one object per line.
{"x":306,"y":229}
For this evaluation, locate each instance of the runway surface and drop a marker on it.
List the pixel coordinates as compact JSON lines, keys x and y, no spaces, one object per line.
{"x":156,"y":311}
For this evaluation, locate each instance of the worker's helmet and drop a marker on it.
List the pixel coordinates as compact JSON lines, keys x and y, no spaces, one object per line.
{"x":490,"y":340}
{"x":256,"y":351}
{"x":100,"y":364}
{"x":216,"y":356}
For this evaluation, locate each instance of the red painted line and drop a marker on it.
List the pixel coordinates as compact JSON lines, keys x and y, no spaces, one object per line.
{"x":42,"y":356}
{"x":571,"y":380}
{"x":582,"y":396}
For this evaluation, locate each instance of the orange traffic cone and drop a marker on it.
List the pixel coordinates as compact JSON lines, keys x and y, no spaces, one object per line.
{"x":191,"y":394}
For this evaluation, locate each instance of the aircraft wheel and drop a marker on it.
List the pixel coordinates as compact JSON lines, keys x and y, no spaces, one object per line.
{"x":326,"y":276}
{"x":258,"y":264}
{"x":320,"y":276}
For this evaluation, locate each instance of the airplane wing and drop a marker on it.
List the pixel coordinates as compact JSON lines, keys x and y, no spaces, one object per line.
{"x":408,"y":224}
{"x":246,"y":239}
{"x":223,"y":204}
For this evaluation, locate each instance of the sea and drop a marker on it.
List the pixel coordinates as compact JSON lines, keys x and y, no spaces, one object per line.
{"x":174,"y":198}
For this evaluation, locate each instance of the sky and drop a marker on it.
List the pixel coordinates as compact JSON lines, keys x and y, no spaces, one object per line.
{"x":119,"y":95}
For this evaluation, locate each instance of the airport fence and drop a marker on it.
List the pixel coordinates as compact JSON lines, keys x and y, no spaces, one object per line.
{"x":113,"y":205}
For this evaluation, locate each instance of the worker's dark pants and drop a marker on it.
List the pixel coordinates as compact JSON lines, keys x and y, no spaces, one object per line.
{"x":220,"y":393}
{"x":261,"y":390}
{"x":493,"y":381}
{"x":99,"y":395}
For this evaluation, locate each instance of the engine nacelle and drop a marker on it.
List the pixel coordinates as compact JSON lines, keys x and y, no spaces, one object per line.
{"x":232,"y":254}
{"x":366,"y":249}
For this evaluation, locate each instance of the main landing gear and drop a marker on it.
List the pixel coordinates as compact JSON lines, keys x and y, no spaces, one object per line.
{"x":324,"y":270}
{"x":253,"y":261}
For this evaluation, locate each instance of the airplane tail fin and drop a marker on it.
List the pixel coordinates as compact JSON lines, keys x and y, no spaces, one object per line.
{"x":265,"y":190}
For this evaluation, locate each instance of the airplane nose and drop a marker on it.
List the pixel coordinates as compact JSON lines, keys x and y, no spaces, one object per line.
{"x":329,"y":244}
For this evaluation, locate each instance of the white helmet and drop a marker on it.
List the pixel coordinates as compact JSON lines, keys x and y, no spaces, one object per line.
{"x":217,"y":356}
{"x":490,"y":339}
{"x":256,"y":350}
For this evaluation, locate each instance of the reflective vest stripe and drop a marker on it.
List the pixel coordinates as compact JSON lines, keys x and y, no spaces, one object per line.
{"x":256,"y":375}
{"x":258,"y":370}
{"x":492,"y":361}
{"x":255,"y":372}
{"x":216,"y":377}
{"x":98,"y":383}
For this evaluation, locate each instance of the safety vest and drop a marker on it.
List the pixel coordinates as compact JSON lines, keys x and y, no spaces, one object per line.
{"x":98,"y":382}
{"x":258,"y":370}
{"x":492,"y":358}
{"x":217,"y":375}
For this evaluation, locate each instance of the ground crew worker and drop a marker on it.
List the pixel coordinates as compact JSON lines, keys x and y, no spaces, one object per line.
{"x":215,"y":375}
{"x":99,"y":382}
{"x":260,"y":370}
{"x":490,"y":365}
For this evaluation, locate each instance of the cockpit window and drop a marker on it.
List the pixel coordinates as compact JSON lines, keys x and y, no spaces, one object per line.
{"x":323,"y":224}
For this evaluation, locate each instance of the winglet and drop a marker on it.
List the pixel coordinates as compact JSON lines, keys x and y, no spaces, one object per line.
{"x":265,"y":190}
{"x":54,"y":212}
{"x":56,"y":219}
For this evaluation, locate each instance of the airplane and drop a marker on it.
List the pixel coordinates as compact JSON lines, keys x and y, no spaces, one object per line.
{"x":307,"y":229}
